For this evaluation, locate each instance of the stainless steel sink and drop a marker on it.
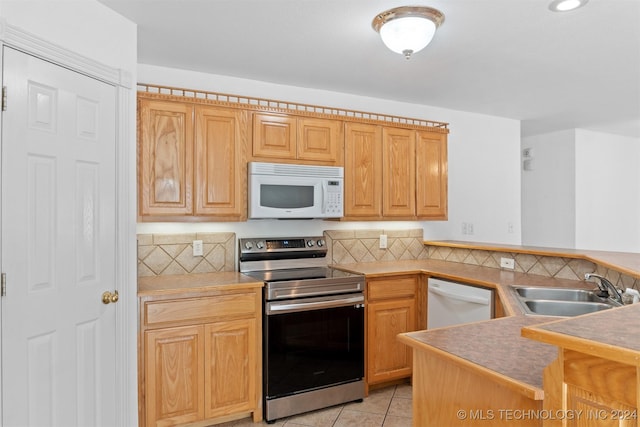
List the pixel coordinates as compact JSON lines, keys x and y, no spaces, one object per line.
{"x":560,"y":301}
{"x":558,"y":294}
{"x":564,"y":308}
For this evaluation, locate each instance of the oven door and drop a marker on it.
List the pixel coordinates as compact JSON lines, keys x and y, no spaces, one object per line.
{"x":312,"y":343}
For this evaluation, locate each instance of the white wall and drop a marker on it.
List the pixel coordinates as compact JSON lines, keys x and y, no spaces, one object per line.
{"x":548,"y":191}
{"x":484,"y":177}
{"x":584,"y":191}
{"x":607,"y":192}
{"x":86,"y":27}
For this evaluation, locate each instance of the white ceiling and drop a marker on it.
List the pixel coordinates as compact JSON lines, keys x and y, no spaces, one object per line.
{"x":509,"y":58}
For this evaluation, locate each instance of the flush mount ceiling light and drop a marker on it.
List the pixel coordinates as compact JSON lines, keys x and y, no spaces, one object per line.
{"x":407,"y":29}
{"x":566,"y":5}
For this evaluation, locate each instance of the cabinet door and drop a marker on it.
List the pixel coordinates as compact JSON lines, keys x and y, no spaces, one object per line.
{"x":231,"y":367}
{"x":319,"y":140}
{"x":363,"y":166}
{"x":220,"y":174}
{"x":398,"y":172}
{"x":174,"y":376}
{"x":602,"y":390}
{"x":165,"y":156}
{"x":387,"y":359}
{"x":274,"y":136}
{"x":431,"y":175}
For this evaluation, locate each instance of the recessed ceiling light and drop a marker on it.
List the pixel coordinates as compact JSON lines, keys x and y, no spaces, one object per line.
{"x":566,"y":5}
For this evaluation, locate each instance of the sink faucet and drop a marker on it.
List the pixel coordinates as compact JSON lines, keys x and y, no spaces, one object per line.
{"x":606,"y":287}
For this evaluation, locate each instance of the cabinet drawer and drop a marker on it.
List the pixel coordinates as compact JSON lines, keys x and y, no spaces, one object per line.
{"x":200,"y":310}
{"x":399,"y":287}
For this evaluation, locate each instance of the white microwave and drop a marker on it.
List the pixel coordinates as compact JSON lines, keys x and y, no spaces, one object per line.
{"x":281,"y":191}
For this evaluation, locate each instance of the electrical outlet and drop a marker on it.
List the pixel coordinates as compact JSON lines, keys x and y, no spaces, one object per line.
{"x":470,"y":228}
{"x":197,"y":248}
{"x":383,"y":241}
{"x":510,"y":227}
{"x":464,"y":228}
{"x":509,"y":263}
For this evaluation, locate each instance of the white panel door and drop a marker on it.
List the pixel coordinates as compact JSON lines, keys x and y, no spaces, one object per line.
{"x":58,"y":246}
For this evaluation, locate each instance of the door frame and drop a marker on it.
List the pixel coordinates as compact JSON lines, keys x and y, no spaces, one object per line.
{"x":125,"y":254}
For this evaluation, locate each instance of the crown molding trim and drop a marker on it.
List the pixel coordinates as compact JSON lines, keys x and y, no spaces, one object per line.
{"x":27,"y":42}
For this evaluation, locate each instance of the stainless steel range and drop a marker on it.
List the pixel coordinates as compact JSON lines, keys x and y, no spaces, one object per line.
{"x":313,"y":325}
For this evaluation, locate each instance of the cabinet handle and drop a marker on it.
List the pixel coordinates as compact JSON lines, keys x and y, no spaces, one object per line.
{"x":465,"y":298}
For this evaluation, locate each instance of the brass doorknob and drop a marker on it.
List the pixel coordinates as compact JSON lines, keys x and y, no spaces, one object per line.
{"x":108,"y":297}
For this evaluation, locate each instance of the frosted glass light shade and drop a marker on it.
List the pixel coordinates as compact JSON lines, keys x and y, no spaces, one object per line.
{"x":407,"y":35}
{"x":407,"y":29}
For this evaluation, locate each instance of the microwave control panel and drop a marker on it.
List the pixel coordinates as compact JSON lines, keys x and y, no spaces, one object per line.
{"x":334,"y":197}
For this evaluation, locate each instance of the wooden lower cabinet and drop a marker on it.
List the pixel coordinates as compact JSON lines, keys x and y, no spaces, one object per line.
{"x":230,"y":358}
{"x":391,"y":310}
{"x":174,"y":373}
{"x":208,"y":369}
{"x":592,"y":391}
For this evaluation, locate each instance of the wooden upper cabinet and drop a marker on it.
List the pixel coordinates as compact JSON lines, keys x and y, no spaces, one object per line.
{"x":220,"y":162}
{"x":283,"y":137}
{"x":363,"y":170}
{"x":192,"y":161}
{"x":274,"y":136}
{"x":319,"y":140}
{"x":165,"y":152}
{"x":394,"y":173}
{"x":431,"y":175}
{"x":398,"y":172}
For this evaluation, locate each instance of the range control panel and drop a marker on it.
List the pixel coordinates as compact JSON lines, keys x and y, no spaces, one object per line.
{"x":281,"y":244}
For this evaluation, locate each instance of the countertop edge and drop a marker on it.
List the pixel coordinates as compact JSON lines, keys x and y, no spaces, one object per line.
{"x":182,"y":284}
{"x":527,"y":390}
{"x":583,"y":345}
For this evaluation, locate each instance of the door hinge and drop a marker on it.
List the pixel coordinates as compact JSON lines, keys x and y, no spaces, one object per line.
{"x":3,"y":284}
{"x":4,"y":98}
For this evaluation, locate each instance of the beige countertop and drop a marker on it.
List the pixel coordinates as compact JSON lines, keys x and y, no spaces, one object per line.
{"x":499,"y":345}
{"x":610,"y":334}
{"x":494,"y":345}
{"x":190,"y":283}
{"x":494,"y":278}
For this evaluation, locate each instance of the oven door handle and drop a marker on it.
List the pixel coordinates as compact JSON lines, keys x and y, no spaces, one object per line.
{"x":291,"y":307}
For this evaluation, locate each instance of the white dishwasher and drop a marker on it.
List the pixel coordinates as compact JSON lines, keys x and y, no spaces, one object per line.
{"x":451,"y":303}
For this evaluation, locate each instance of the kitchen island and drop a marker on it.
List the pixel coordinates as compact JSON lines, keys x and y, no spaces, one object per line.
{"x":478,"y":374}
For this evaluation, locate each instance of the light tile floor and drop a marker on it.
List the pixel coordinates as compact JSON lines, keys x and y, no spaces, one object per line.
{"x":386,"y":407}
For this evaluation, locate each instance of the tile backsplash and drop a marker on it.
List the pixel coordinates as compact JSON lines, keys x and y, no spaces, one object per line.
{"x":347,"y":246}
{"x":548,"y":266}
{"x":165,"y":254}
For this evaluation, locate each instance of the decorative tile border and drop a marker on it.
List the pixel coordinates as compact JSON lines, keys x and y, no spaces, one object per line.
{"x":165,"y":254}
{"x":348,"y":246}
{"x":548,"y":266}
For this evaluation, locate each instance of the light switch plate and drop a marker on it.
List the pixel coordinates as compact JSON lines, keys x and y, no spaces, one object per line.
{"x":197,"y":248}
{"x":383,"y":241}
